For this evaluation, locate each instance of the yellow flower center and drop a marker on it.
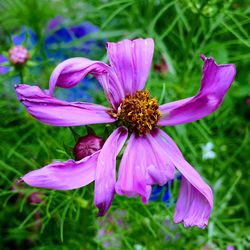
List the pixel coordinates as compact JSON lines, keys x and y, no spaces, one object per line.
{"x":138,"y":112}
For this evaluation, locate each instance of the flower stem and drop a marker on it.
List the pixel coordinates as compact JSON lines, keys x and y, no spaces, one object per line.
{"x":21,"y":75}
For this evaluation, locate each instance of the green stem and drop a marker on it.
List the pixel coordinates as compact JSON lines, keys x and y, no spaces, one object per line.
{"x":21,"y":75}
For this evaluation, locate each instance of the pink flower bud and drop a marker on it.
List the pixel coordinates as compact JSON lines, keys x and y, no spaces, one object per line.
{"x":248,"y":100}
{"x":18,"y":55}
{"x":162,"y":67}
{"x":87,"y":145}
{"x":35,"y":198}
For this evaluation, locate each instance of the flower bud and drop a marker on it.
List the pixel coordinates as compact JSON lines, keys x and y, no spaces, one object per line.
{"x":35,"y":198}
{"x":248,"y":100}
{"x":162,"y":67}
{"x":87,"y":145}
{"x":18,"y":55}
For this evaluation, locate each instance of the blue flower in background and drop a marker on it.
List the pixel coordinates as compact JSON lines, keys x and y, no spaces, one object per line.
{"x":26,"y":37}
{"x":3,"y":69}
{"x":60,"y":43}
{"x":163,"y":193}
{"x":58,"y":37}
{"x":80,"y":92}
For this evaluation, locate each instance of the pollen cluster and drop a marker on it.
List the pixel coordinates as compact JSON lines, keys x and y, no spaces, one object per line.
{"x":139,"y":112}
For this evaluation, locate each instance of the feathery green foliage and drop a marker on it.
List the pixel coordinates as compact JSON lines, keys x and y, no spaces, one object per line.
{"x":182,"y":30}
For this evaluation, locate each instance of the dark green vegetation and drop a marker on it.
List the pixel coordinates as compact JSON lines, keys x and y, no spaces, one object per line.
{"x":182,"y":30}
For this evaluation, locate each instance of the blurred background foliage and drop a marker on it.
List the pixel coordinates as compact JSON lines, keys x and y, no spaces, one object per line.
{"x":182,"y":30}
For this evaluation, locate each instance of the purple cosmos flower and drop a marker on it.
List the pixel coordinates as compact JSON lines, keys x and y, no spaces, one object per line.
{"x":151,"y":155}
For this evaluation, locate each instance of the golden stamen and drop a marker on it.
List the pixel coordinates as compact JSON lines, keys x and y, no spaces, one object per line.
{"x":139,"y":112}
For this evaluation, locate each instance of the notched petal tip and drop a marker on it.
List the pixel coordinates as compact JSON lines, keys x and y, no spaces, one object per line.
{"x":188,"y":223}
{"x":131,"y":61}
{"x":216,"y":81}
{"x":203,"y":57}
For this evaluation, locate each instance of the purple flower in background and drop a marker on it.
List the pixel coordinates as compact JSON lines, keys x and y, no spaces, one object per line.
{"x":34,"y":198}
{"x":175,"y":235}
{"x":150,"y":156}
{"x":110,"y":227}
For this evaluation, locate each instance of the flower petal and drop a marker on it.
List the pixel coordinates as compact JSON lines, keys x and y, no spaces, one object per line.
{"x":131,"y":61}
{"x":195,"y":200}
{"x":159,"y":169}
{"x":142,"y":166}
{"x":55,"y":112}
{"x":106,"y":172}
{"x":132,"y":175}
{"x":216,"y":80}
{"x":64,"y":175}
{"x":70,"y":72}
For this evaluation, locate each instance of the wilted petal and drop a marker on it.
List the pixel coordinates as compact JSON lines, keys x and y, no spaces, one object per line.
{"x":132,"y":175}
{"x":106,"y":172}
{"x":131,"y":61}
{"x":52,"y":111}
{"x":195,"y":200}
{"x":64,"y":175}
{"x":142,"y":165}
{"x":159,"y":169}
{"x":216,"y":80}
{"x":70,"y":72}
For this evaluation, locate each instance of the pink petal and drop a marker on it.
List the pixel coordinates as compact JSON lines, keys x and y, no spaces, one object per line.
{"x":216,"y":80}
{"x":105,"y":171}
{"x":159,"y":169}
{"x":55,"y":112}
{"x":142,"y":166}
{"x":70,"y":72}
{"x":131,"y":61}
{"x":64,"y":175}
{"x":195,"y":200}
